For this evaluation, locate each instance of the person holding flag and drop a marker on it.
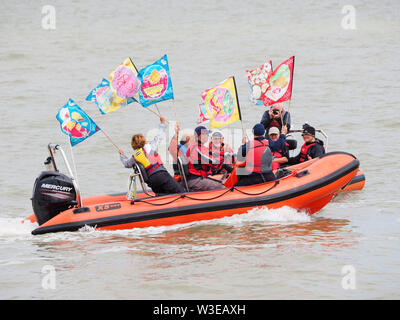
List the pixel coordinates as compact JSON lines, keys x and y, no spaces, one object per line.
{"x":145,"y":153}
{"x":178,"y":146}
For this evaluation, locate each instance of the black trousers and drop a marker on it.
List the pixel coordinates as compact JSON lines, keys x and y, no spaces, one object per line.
{"x":161,"y":182}
{"x":255,"y":178}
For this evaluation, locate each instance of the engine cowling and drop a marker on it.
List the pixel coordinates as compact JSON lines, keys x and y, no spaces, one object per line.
{"x":53,"y":192}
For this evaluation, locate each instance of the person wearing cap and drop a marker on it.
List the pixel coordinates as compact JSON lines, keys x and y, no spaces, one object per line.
{"x":274,"y":117}
{"x":145,"y":153}
{"x":279,"y":147}
{"x":258,"y":158}
{"x":312,"y":147}
{"x":218,"y":149}
{"x":200,"y":163}
{"x":178,"y":148}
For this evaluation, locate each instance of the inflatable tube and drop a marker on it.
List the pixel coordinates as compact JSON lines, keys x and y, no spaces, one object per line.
{"x":357,"y":183}
{"x":309,"y":187}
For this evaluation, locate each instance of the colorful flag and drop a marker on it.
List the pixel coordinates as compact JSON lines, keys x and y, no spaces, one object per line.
{"x":203,"y":115}
{"x":120,"y":90}
{"x":124,"y":81}
{"x":75,"y":123}
{"x":280,"y":84}
{"x":155,"y":83}
{"x":221,"y":103}
{"x":259,"y":81}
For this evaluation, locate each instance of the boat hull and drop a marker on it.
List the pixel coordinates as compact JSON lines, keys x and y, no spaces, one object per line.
{"x":309,"y":188}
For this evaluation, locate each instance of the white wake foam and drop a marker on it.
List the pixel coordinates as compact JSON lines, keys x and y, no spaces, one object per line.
{"x":284,"y":215}
{"x":13,"y":227}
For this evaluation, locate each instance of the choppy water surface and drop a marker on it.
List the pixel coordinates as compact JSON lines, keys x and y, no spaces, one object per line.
{"x":346,"y":82}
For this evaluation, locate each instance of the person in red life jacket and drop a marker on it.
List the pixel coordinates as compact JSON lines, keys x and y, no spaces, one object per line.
{"x":312,"y":147}
{"x":274,"y":116}
{"x":258,"y":159}
{"x":200,"y":163}
{"x":178,"y":147}
{"x":218,"y":149}
{"x":279,"y":147}
{"x":159,"y":180}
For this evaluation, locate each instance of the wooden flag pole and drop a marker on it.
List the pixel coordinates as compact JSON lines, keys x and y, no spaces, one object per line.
{"x":157,"y":109}
{"x":173,"y":105}
{"x":76,"y":172}
{"x":288,"y":114}
{"x":291,"y":92}
{"x":109,"y":139}
{"x":243,"y":132}
{"x":106,"y":135}
{"x":158,"y":115}
{"x":237,"y":102}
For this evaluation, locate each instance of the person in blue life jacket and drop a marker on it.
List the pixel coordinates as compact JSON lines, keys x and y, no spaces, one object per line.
{"x":258,"y":158}
{"x":145,"y":153}
{"x":312,"y":147}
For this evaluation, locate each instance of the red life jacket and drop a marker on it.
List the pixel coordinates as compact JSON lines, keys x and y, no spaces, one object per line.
{"x":217,"y":153}
{"x":275,"y":123}
{"x":277,"y":154}
{"x":194,"y":160}
{"x":154,"y":159}
{"x":254,"y":153}
{"x":304,"y":151}
{"x":276,"y":165}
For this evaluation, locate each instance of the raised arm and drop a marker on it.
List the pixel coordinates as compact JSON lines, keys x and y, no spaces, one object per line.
{"x":162,"y":128}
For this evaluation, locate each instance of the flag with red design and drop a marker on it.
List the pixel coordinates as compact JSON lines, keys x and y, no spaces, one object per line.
{"x":280,"y":84}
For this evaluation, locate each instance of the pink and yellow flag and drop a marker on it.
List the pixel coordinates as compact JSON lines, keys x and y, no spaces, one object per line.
{"x":124,"y":81}
{"x":221,"y":104}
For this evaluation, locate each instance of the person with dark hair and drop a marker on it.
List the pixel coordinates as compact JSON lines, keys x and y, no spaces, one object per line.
{"x":258,"y":158}
{"x":312,"y":147}
{"x":275,"y":116}
{"x":200,"y":163}
{"x":145,"y":154}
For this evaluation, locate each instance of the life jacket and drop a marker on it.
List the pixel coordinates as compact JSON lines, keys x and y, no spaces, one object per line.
{"x":277,"y":154}
{"x":275,"y":123}
{"x":276,"y":165}
{"x":217,"y":153}
{"x":254,"y":154}
{"x":304,"y":151}
{"x":194,"y":160}
{"x":151,"y":162}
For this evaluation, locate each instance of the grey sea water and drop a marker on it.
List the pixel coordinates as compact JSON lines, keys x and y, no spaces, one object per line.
{"x":346,"y":82}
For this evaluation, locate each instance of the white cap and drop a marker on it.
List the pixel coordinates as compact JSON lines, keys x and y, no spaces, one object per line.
{"x":273,"y":130}
{"x":217,"y":134}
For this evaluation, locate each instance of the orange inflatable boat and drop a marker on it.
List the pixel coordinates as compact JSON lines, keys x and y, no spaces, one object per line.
{"x":357,"y":183}
{"x":308,"y":186}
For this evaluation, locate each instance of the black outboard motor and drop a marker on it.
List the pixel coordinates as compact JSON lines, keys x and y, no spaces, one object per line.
{"x":53,"y":192}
